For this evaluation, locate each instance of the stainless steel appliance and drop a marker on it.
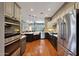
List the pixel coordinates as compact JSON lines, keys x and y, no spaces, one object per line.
{"x":71,"y":32}
{"x":67,"y":33}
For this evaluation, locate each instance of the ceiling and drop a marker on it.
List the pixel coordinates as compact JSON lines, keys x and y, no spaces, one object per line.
{"x":39,"y":10}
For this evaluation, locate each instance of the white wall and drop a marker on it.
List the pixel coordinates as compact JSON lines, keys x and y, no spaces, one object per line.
{"x":1,"y":28}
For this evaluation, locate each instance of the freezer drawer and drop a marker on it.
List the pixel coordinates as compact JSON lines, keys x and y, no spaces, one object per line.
{"x":16,"y":53}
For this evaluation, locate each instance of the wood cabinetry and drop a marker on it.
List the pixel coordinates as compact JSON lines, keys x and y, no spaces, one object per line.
{"x":77,"y":5}
{"x":12,"y":10}
{"x":12,"y":17}
{"x":16,"y":53}
{"x":17,"y":11}
{"x":9,"y":6}
{"x":13,"y":49}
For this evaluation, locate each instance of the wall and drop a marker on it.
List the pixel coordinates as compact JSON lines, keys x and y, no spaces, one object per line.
{"x":47,"y":19}
{"x":63,"y":10}
{"x":1,"y":28}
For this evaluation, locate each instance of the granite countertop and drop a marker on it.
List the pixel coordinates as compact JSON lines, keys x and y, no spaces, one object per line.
{"x":35,"y":33}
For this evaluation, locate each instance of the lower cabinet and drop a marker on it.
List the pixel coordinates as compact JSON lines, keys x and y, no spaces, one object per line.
{"x":22,"y":44}
{"x":16,"y":53}
{"x":12,"y":49}
{"x":53,"y":41}
{"x":29,"y":37}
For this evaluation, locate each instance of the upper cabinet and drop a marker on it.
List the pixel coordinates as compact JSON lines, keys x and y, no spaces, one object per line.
{"x":9,"y":6}
{"x":12,"y":10}
{"x":17,"y":11}
{"x":77,"y":4}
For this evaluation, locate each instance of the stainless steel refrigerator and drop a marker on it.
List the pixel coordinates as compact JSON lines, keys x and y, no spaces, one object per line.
{"x":67,"y":34}
{"x":71,"y":33}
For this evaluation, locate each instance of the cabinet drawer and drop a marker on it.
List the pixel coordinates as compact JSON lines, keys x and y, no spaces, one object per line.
{"x":16,"y":53}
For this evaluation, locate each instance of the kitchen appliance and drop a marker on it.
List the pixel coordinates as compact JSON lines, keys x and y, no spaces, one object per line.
{"x":12,"y":30}
{"x":12,"y":27}
{"x":70,"y":42}
{"x":67,"y":33}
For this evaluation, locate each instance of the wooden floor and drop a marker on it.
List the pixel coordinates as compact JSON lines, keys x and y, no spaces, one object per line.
{"x":40,"y":47}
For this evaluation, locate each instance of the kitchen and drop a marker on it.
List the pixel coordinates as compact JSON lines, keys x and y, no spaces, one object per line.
{"x":50,"y":26}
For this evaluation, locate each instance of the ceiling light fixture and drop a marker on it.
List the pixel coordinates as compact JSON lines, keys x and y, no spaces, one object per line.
{"x":49,"y":9}
{"x":31,"y":9}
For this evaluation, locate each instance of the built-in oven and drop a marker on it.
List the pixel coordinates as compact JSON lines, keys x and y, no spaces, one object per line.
{"x":10,"y":33}
{"x":12,"y":27}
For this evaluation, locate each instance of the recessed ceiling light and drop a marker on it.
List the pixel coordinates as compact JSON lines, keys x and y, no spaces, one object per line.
{"x":49,"y":9}
{"x":31,"y":9}
{"x":41,"y":13}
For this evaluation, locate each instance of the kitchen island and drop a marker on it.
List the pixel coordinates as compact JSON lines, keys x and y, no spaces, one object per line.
{"x":31,"y":36}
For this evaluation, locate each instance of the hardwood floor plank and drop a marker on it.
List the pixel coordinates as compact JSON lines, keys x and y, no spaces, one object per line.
{"x":40,"y":48}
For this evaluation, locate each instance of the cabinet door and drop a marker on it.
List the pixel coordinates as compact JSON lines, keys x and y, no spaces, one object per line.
{"x":77,"y":5}
{"x":17,"y":12}
{"x":9,"y":9}
{"x":16,"y":53}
